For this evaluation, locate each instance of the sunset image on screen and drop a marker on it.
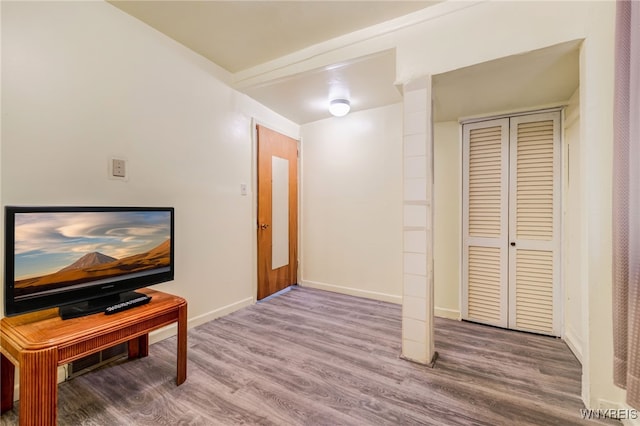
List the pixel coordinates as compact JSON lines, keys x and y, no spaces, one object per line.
{"x":60,"y":250}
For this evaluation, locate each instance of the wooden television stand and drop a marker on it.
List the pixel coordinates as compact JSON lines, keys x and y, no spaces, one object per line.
{"x":37,"y":343}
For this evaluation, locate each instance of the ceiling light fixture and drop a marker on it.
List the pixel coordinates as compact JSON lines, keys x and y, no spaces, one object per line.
{"x":339,"y":107}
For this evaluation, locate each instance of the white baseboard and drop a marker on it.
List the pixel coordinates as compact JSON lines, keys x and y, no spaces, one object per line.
{"x":353,"y":291}
{"x":634,"y":414}
{"x":171,"y":330}
{"x":447,"y":313}
{"x":574,"y":342}
{"x":439,"y":312}
{"x":627,"y":415}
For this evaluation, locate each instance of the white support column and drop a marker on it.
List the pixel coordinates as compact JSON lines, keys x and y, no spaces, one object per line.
{"x":417,"y":302}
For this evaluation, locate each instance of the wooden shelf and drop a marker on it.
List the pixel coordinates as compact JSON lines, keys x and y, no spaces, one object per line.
{"x":39,"y":342}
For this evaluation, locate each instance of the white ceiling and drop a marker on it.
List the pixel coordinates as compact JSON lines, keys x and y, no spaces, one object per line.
{"x":367,"y":82}
{"x":534,"y":79}
{"x":239,"y":35}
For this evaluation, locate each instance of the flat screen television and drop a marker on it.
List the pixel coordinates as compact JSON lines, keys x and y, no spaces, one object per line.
{"x":84,"y":259}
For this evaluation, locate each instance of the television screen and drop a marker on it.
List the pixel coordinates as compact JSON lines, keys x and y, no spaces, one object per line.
{"x":61,"y":255}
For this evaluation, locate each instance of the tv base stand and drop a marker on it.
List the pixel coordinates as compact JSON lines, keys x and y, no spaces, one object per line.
{"x":37,"y":343}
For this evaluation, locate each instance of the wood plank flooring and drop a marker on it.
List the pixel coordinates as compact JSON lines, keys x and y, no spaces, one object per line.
{"x":309,"y":357}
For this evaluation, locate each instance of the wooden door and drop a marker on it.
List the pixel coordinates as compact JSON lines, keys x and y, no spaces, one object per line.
{"x":277,"y":212}
{"x":511,"y":222}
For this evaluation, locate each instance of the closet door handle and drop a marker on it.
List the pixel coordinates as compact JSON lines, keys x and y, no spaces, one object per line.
{"x":513,"y":243}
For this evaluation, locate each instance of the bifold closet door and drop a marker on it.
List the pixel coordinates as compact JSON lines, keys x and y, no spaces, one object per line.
{"x":511,"y":200}
{"x":534,"y":216}
{"x":485,"y":223}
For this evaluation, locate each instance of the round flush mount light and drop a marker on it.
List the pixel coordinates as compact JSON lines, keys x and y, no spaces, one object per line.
{"x":339,"y":107}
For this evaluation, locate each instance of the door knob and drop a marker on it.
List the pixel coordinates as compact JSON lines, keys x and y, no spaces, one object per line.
{"x":513,"y":244}
{"x":263,"y":226}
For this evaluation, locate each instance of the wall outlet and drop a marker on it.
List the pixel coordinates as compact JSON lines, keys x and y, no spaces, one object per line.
{"x":243,"y":189}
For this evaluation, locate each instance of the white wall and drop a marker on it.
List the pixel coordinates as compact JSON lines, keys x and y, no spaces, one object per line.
{"x":352,"y":204}
{"x":518,"y":27}
{"x":464,"y":38}
{"x":83,"y":81}
{"x":108,"y":85}
{"x":596,"y":160}
{"x":574,"y":287}
{"x":444,"y":39}
{"x":447,"y":213}
{"x":352,"y":177}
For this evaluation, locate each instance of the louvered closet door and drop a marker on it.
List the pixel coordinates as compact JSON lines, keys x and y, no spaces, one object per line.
{"x":510,"y":273}
{"x":485,"y":224}
{"x":534,"y":223}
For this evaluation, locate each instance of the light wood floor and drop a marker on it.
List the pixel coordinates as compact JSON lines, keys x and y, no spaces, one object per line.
{"x":309,"y":357}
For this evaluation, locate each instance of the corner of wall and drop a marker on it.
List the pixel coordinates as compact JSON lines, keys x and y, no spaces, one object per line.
{"x":596,"y":135}
{"x":447,"y":218}
{"x":171,"y":330}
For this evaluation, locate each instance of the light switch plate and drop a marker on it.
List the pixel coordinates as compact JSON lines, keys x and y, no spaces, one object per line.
{"x":117,"y":168}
